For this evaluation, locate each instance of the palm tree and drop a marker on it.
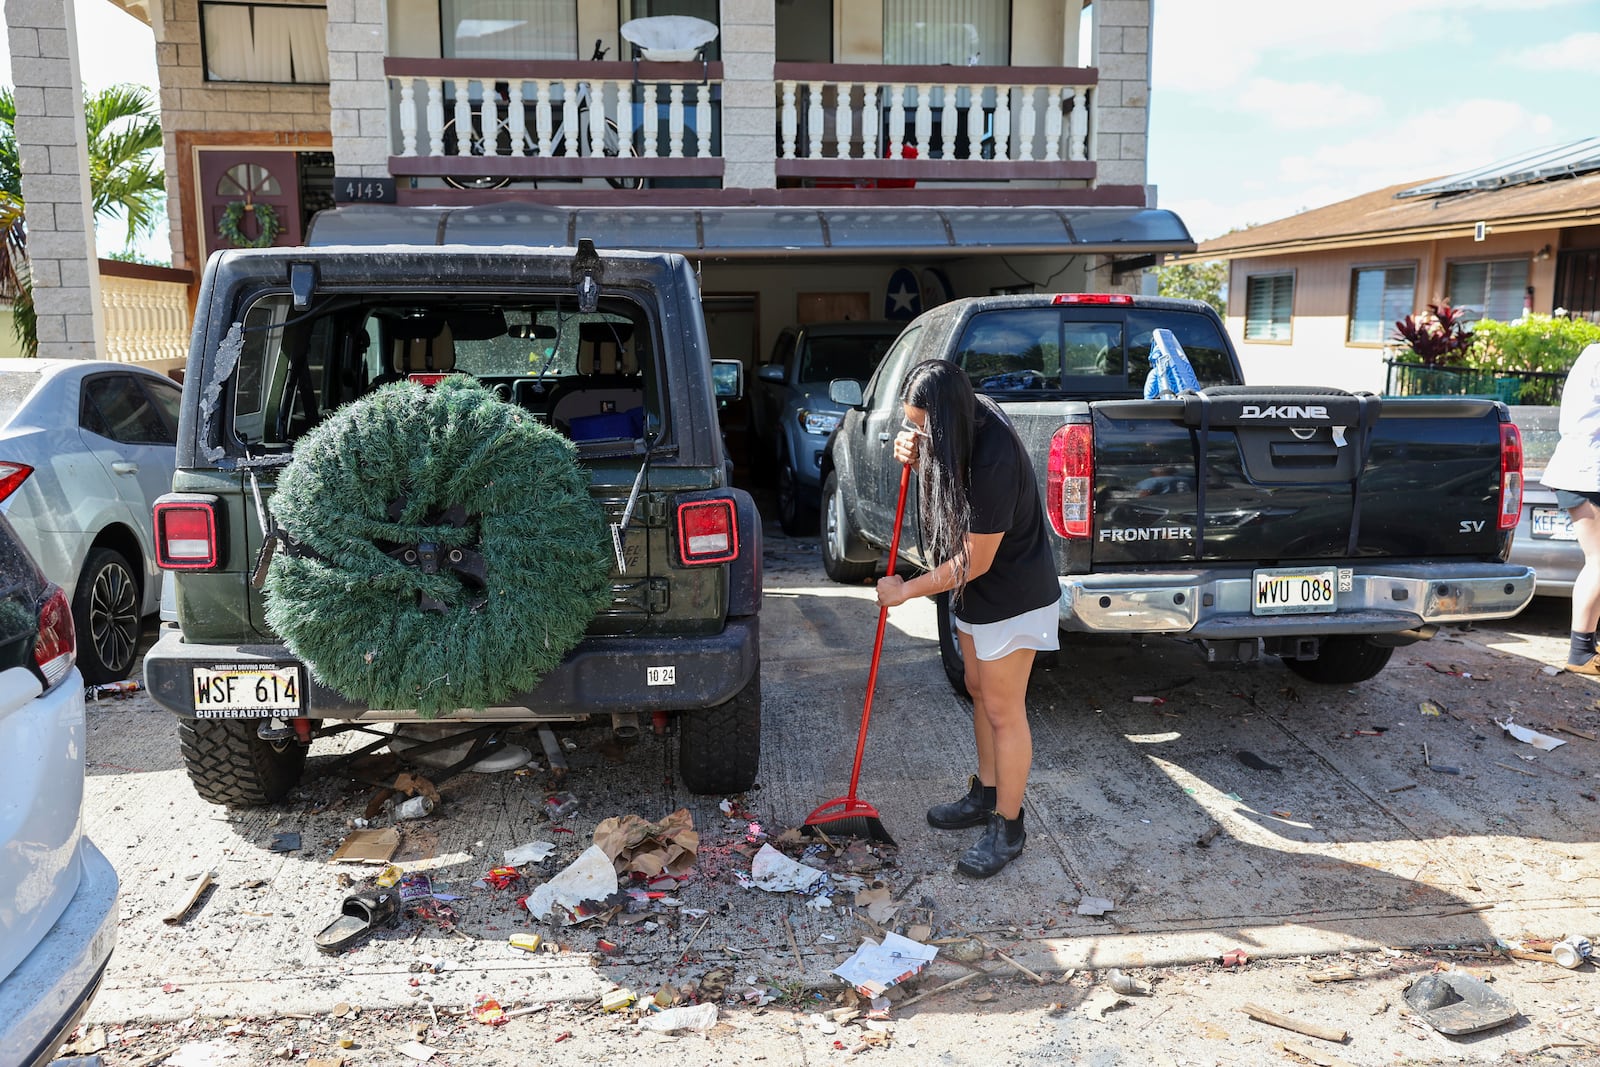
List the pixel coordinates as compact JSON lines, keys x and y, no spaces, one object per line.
{"x":123,"y":123}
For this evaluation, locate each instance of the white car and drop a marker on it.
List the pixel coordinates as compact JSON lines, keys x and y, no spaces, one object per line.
{"x":86,"y":446}
{"x":58,"y":923}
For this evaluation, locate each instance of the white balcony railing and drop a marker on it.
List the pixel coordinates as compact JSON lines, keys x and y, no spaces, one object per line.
{"x":968,"y":122}
{"x":146,"y":313}
{"x":505,"y":118}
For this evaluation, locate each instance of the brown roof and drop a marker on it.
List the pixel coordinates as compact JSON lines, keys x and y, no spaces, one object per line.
{"x":1379,"y":218}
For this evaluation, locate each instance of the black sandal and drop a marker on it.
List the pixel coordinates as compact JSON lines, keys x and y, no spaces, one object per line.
{"x":360,"y":914}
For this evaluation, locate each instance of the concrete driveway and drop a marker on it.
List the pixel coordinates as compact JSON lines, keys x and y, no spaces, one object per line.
{"x":1328,"y":832}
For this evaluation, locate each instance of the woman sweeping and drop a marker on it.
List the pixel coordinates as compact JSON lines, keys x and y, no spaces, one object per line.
{"x":982,"y":519}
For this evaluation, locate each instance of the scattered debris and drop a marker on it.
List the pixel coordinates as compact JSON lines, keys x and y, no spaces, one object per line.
{"x":617,"y":999}
{"x":418,"y":807}
{"x":1095,"y":906}
{"x":359,"y":915}
{"x":201,"y":884}
{"x":1455,"y":1003}
{"x":367,"y":846}
{"x":1103,"y":1001}
{"x":1205,"y":839}
{"x":698,"y":1017}
{"x":1571,"y":952}
{"x":1130,"y":987}
{"x":876,"y":967}
{"x":776,"y":873}
{"x":1315,"y":1056}
{"x":649,"y":849}
{"x":532,"y":852}
{"x":285,"y":841}
{"x":1340,"y":973}
{"x":590,"y":877}
{"x":1235,"y":957}
{"x":1543,"y":742}
{"x":416,"y":1050}
{"x":1272,"y":1018}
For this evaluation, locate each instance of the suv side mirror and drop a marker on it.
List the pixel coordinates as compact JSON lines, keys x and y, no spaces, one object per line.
{"x":727,"y":379}
{"x":771,"y":372}
{"x":846,"y":392}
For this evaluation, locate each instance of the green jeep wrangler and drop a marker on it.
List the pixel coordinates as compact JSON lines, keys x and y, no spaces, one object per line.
{"x":608,"y":350}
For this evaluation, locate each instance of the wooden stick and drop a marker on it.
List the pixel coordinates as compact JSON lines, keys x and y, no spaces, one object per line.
{"x":200,"y":886}
{"x":794,"y":945}
{"x":1576,"y":733}
{"x":1037,"y":978}
{"x":1519,"y":770}
{"x":963,"y":980}
{"x":1272,"y":1018}
{"x":693,"y":939}
{"x":1532,"y":957}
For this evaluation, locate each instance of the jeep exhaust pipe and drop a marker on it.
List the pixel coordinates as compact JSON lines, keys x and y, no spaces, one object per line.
{"x":625,"y":725}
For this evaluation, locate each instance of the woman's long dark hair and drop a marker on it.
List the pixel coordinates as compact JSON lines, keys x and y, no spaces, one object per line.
{"x":943,"y":390}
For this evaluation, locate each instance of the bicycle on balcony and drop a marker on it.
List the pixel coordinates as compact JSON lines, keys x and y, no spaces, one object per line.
{"x":563,"y":142}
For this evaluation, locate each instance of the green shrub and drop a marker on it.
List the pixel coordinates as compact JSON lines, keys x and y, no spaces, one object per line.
{"x":1536,"y":343}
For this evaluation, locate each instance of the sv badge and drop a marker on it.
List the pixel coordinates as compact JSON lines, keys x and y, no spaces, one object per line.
{"x":1471,"y":526}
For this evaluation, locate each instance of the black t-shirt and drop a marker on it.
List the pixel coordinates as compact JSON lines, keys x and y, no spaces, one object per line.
{"x":1004,"y":496}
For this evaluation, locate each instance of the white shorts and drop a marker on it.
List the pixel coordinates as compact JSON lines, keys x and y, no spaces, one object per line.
{"x":1039,"y":629}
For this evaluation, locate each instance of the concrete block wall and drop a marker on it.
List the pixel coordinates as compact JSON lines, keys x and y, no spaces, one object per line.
{"x":191,"y":103}
{"x":1120,"y":122}
{"x":54,"y":157}
{"x":749,"y":106}
{"x":358,"y":92}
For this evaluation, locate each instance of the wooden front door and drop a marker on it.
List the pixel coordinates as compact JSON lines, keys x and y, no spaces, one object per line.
{"x":244,"y":178}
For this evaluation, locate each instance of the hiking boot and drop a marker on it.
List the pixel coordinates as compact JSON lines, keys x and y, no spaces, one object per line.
{"x":1590,"y":666}
{"x":970,"y":810}
{"x":993,"y":851}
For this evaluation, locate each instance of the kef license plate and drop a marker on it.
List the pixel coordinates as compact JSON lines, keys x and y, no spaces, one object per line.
{"x":228,"y":692}
{"x":1295,"y":590}
{"x":1553,"y":523}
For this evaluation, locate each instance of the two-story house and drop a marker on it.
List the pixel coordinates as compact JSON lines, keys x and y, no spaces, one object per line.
{"x":817,"y":159}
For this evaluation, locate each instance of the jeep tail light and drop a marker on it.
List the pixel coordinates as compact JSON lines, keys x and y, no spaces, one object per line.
{"x":1069,"y":489}
{"x":707,"y":532}
{"x":186,"y":533}
{"x":57,"y":647}
{"x":1510,"y":475}
{"x":12,"y":475}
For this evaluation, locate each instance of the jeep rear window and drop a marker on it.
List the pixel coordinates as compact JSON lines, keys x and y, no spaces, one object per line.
{"x":1021,"y":350}
{"x":592,"y":376}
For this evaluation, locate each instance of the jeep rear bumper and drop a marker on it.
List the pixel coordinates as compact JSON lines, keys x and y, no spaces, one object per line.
{"x":601,"y":675}
{"x":1215,"y":603}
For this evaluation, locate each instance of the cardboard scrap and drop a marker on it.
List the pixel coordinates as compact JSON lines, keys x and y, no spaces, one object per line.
{"x":1542,"y":742}
{"x":879,"y":904}
{"x":649,"y":849}
{"x":1095,"y":906}
{"x":368,"y":846}
{"x":876,"y":967}
{"x":776,"y":873}
{"x":589,"y":877}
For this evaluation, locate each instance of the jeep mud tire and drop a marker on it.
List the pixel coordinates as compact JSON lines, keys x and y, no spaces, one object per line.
{"x":231,"y":766}
{"x":1342,"y":660}
{"x":719,"y":748}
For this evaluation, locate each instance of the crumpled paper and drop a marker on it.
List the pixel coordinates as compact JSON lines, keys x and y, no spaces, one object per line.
{"x":875,"y":967}
{"x":649,"y":849}
{"x":776,"y":873}
{"x":1542,"y":742}
{"x":589,"y":877}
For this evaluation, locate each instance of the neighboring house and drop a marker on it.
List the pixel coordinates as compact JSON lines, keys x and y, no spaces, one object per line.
{"x":1313,"y":298}
{"x":820,"y":159}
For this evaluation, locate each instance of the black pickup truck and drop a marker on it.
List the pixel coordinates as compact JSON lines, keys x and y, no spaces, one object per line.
{"x":1320,"y":526}
{"x":606,"y":349}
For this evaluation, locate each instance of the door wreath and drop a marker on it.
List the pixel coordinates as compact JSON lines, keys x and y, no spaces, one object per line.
{"x":268,"y":226}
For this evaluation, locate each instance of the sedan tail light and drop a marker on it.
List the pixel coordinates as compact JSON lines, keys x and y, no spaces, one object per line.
{"x":57,"y":648}
{"x":1070,"y":481}
{"x":1510,"y":475}
{"x":12,"y":475}
{"x":708,"y":532}
{"x":186,"y":532}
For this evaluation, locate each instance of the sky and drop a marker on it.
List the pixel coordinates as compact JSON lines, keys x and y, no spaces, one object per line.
{"x":1261,"y":108}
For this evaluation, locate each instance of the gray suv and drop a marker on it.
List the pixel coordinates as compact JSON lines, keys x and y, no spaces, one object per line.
{"x":792,"y":414}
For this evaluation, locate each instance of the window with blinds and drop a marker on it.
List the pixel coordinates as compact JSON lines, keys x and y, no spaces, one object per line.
{"x":1380,"y":297}
{"x":1268,"y":307}
{"x":1489,"y":289}
{"x":280,"y":43}
{"x":509,"y":29}
{"x":961,"y":33}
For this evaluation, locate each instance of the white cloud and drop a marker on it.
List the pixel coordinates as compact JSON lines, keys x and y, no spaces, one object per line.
{"x":1577,"y":52}
{"x":1306,"y":105}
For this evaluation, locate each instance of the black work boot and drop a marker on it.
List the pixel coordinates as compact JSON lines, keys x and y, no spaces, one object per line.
{"x":971,"y":810}
{"x":998,"y":846}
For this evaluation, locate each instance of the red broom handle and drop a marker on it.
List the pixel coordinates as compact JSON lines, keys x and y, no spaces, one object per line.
{"x":883,"y":622}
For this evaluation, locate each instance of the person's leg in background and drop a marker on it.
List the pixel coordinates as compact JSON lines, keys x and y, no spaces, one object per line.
{"x":1581,"y":657}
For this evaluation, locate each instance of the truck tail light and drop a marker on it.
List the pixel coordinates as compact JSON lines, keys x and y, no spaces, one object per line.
{"x":57,"y":647}
{"x":12,"y":475}
{"x":1510,"y":475}
{"x":708,"y":532}
{"x":1092,"y":298}
{"x":186,"y":533}
{"x":1069,"y":491}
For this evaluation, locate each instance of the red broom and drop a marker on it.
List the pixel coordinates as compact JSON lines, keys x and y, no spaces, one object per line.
{"x":850,"y":816}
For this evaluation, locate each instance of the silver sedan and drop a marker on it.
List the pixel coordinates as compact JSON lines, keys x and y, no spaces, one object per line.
{"x":1544,"y":539}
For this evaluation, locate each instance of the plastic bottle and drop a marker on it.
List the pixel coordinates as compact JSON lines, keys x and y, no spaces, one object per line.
{"x":417,"y":807}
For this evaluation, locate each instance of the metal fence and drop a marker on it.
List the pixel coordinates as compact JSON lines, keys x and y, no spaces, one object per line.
{"x":1510,"y":387}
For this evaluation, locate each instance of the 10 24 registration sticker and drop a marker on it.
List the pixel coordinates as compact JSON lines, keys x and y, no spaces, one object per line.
{"x":661,"y":676}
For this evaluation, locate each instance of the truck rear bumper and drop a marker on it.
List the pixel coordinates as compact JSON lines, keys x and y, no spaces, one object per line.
{"x":1216,"y":603}
{"x":601,"y":675}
